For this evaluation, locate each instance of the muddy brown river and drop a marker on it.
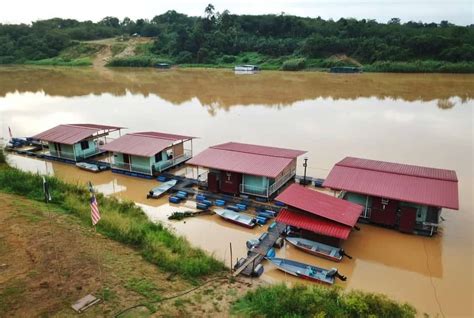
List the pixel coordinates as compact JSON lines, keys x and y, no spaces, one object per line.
{"x":416,"y":118}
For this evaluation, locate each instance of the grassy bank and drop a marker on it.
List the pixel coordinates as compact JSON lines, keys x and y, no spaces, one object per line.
{"x":121,"y":221}
{"x":317,"y":301}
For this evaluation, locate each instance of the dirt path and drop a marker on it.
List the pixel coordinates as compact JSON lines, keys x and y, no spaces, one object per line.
{"x":48,"y":260}
{"x":126,"y":49}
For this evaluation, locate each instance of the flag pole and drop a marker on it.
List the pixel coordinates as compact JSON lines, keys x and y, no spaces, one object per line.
{"x":95,"y":217}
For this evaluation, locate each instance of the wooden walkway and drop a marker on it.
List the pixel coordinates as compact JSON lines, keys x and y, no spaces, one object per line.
{"x":256,"y":255}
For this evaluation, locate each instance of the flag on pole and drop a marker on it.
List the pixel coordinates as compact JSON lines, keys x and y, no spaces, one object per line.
{"x":95,"y":214}
{"x":47,"y":194}
{"x":10,"y":132}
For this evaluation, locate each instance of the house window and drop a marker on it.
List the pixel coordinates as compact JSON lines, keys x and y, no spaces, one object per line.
{"x":158,"y":157}
{"x":84,"y":145}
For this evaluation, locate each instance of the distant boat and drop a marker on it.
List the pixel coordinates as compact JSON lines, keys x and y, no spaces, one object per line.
{"x":319,"y":249}
{"x":91,"y":167}
{"x":162,"y":65}
{"x":305,"y":271}
{"x":157,"y":192}
{"x":345,"y":69}
{"x":246,"y":68}
{"x":237,"y":218}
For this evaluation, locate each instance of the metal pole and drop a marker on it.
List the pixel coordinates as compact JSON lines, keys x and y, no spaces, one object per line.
{"x":305,"y":164}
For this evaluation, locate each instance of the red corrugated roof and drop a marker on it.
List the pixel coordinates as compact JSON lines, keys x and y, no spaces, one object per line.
{"x":145,"y":144}
{"x":422,"y":185}
{"x":321,"y":204}
{"x":260,"y":150}
{"x":245,"y":158}
{"x":314,"y":224}
{"x":72,"y":133}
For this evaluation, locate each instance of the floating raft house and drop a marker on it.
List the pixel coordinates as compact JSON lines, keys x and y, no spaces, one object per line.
{"x":237,"y":168}
{"x":318,"y":216}
{"x":149,"y":153}
{"x":75,"y":142}
{"x":406,"y":197}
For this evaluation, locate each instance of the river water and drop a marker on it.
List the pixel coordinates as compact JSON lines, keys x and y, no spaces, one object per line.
{"x":416,"y":119}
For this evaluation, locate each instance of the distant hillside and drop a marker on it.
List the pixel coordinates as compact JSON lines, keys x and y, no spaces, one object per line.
{"x":224,"y":39}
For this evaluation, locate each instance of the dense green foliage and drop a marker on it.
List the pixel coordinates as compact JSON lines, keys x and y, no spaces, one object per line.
{"x":317,"y":301}
{"x":121,"y":221}
{"x":220,"y":38}
{"x":2,"y":156}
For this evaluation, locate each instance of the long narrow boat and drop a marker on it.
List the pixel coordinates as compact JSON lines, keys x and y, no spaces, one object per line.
{"x":305,"y":271}
{"x":319,"y":249}
{"x":157,"y":192}
{"x":237,"y":218}
{"x":90,"y":167}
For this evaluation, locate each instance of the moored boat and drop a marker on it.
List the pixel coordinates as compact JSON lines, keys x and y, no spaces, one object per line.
{"x":237,"y":218}
{"x":246,"y":68}
{"x":157,"y":192}
{"x":305,"y":271}
{"x":318,"y":249}
{"x":90,"y":167}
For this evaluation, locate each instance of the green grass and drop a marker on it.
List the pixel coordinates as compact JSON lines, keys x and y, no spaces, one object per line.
{"x":317,"y":301}
{"x":137,"y":61}
{"x":117,"y":48}
{"x":3,"y":159}
{"x":121,"y":221}
{"x":11,"y":294}
{"x":60,"y":61}
{"x":145,"y":288}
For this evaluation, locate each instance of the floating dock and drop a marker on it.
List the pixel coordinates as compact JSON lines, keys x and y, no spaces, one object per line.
{"x":257,"y":254}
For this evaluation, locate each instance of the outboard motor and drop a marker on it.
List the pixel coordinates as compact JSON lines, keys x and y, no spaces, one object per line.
{"x":334,"y":273}
{"x":343,"y":253}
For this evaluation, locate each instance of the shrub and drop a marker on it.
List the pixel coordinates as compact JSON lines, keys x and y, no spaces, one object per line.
{"x":294,"y":64}
{"x":184,"y":57}
{"x":133,"y":61}
{"x":228,"y":59}
{"x":317,"y":301}
{"x":3,"y":158}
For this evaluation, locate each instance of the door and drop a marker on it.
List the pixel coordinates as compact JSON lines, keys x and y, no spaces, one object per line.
{"x":407,"y":219}
{"x":230,"y":182}
{"x":126,"y":161}
{"x":384,"y":211}
{"x":57,"y":147}
{"x":212,"y":182}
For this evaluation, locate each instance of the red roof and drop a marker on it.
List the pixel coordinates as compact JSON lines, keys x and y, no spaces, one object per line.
{"x":321,"y":204}
{"x":421,"y":185}
{"x":314,"y":224}
{"x":245,"y":158}
{"x":145,"y":144}
{"x":72,"y":133}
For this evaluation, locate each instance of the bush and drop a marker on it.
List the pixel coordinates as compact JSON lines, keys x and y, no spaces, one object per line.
{"x":60,"y":61}
{"x":294,"y":64}
{"x":317,"y":301}
{"x":121,"y":221}
{"x":184,"y":57}
{"x":228,"y":59}
{"x":421,"y":67}
{"x":133,"y":61}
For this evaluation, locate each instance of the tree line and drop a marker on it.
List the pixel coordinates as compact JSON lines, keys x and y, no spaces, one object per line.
{"x":222,"y":35}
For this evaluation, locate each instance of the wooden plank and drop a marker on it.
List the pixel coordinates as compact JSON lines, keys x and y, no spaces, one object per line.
{"x":244,"y":266}
{"x":85,"y":303}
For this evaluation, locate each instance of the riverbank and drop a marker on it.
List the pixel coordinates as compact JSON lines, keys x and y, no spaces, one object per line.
{"x":121,"y":221}
{"x":138,"y":52}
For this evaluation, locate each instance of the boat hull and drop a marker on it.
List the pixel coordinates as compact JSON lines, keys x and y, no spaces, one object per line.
{"x":233,"y":217}
{"x":315,"y":253}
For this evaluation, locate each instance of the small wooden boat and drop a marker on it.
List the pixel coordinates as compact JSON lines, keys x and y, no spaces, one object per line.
{"x":319,"y":249}
{"x":237,"y":218}
{"x":157,"y":192}
{"x":305,"y":271}
{"x":90,"y":167}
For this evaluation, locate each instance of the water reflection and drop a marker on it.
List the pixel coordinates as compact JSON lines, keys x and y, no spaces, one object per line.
{"x":222,"y":89}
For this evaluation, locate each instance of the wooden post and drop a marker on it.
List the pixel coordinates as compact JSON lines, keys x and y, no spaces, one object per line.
{"x":231,"y":267}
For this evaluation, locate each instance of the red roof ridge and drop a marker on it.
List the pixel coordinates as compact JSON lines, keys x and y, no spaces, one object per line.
{"x":350,"y":164}
{"x":222,"y":147}
{"x":161,"y":135}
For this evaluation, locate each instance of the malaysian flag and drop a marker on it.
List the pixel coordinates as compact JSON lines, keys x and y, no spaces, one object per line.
{"x":95,"y":215}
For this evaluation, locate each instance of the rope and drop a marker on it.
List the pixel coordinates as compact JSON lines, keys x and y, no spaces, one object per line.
{"x":171,"y":297}
{"x":431,"y":280}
